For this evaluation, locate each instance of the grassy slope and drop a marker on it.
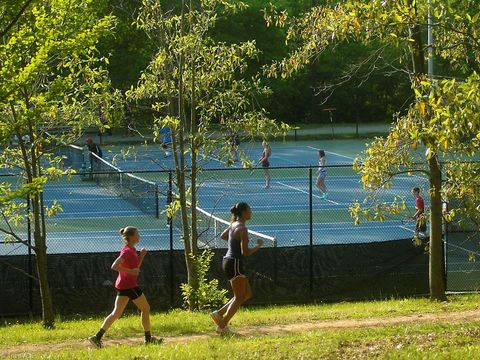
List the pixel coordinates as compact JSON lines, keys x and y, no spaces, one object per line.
{"x":386,"y":342}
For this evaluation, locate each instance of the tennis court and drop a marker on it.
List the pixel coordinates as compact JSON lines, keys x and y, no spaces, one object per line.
{"x":92,"y":214}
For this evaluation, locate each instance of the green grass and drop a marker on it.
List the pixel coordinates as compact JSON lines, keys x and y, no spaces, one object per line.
{"x":413,"y":342}
{"x":391,"y":342}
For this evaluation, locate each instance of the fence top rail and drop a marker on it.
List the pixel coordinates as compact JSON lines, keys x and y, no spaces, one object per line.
{"x":166,"y":171}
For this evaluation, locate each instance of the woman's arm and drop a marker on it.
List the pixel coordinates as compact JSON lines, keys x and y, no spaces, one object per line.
{"x":224,"y":235}
{"x":417,"y":214}
{"x":117,"y":266}
{"x":246,"y":251}
{"x":143,"y":252}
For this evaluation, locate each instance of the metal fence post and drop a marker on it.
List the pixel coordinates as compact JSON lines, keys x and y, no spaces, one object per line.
{"x":30,"y":265}
{"x":444,"y":228}
{"x":275,"y":266}
{"x":170,"y":226}
{"x":157,"y":202}
{"x":310,"y":203}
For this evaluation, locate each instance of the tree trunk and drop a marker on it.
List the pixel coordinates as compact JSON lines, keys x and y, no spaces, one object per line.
{"x":436,"y":268}
{"x":32,"y":166}
{"x":48,"y":315}
{"x":192,"y":276}
{"x":416,"y":47}
{"x":194,"y":155}
{"x":39,"y":235}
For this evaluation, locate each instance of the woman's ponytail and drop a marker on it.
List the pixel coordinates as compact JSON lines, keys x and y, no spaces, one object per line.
{"x":237,"y":210}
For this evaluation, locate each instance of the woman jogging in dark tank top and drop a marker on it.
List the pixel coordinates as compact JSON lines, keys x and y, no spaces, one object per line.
{"x":237,"y":236}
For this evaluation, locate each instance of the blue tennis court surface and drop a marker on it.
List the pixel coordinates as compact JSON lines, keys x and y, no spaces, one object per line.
{"x":92,"y":215}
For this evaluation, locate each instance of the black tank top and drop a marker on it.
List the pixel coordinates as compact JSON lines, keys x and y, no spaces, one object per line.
{"x":234,"y":245}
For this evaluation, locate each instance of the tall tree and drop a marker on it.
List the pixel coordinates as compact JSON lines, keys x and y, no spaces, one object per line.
{"x":193,"y":82}
{"x":398,"y":23}
{"x":50,"y":76}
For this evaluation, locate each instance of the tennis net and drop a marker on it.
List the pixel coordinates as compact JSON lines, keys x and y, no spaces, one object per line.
{"x":139,"y":192}
{"x":72,"y":156}
{"x":210,"y":227}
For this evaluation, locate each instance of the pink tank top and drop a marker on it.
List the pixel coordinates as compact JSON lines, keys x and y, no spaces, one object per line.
{"x":130,"y":261}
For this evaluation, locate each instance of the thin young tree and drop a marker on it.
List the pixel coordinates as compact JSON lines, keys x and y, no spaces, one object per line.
{"x":193,"y":83}
{"x":50,"y":76}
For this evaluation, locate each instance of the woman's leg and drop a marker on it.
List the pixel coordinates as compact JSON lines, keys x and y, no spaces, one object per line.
{"x":120,"y":304}
{"x":322,"y":186}
{"x":248,"y":296}
{"x":224,"y":308}
{"x":267,"y":178}
{"x":241,"y":289}
{"x":142,"y":304}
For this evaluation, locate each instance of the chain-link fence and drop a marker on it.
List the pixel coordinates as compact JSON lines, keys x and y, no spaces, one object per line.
{"x":317,"y":251}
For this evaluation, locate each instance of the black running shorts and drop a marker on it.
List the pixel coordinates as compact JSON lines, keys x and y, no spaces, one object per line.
{"x":132,"y":294}
{"x":233,"y":268}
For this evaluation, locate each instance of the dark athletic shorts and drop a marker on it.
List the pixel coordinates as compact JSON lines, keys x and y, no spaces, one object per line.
{"x":421,"y":225}
{"x":233,"y":268}
{"x":132,"y":294}
{"x":265,"y":164}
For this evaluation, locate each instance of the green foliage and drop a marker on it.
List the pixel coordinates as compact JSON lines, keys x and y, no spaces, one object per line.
{"x":208,"y":295}
{"x":51,"y":76}
{"x":441,"y":118}
{"x":193,"y":82}
{"x":375,"y":98}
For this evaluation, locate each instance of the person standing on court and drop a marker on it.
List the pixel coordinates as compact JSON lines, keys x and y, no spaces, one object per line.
{"x":166,"y":132}
{"x":128,"y":265}
{"x":322,"y":174}
{"x":419,"y":216}
{"x":94,"y":149}
{"x":237,"y":236}
{"x":234,"y":144}
{"x":266,"y":153}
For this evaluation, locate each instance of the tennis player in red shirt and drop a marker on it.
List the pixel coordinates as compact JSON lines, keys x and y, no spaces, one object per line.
{"x":419,"y":216}
{"x":128,"y":266}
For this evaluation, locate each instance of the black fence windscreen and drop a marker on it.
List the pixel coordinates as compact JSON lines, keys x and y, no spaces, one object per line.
{"x":313,"y":250}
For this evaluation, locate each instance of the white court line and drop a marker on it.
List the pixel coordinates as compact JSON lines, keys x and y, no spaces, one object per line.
{"x":81,"y":200}
{"x":286,"y":160}
{"x":351,"y":158}
{"x":114,"y":232}
{"x":222,"y":162}
{"x":362,"y":225}
{"x":132,"y":215}
{"x":405,"y":228}
{"x":331,"y":152}
{"x":353,"y":227}
{"x":306,"y":192}
{"x":283,"y":208}
{"x":114,"y":212}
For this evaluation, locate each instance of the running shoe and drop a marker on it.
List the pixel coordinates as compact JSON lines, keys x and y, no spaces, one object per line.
{"x":217,"y":318}
{"x":226,"y":331}
{"x":95,"y":341}
{"x":154,"y":341}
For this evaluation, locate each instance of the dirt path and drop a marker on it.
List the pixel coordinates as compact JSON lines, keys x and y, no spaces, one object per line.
{"x":450,"y":317}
